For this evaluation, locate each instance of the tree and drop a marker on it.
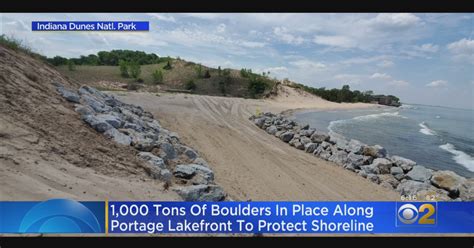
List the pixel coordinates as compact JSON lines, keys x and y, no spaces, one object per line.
{"x":207,"y":74}
{"x":190,"y":85}
{"x":134,"y":69}
{"x":168,"y":66}
{"x":71,"y":66}
{"x":256,"y":87}
{"x":123,"y":66}
{"x":219,"y":71}
{"x":199,"y":71}
{"x":157,"y":77}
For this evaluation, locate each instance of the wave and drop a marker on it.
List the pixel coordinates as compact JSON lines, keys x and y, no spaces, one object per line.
{"x":365,"y":118}
{"x":406,"y":106}
{"x":459,"y":156}
{"x":425,"y":129}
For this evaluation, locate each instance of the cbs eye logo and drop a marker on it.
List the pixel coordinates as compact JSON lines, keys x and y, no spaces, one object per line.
{"x":409,"y":214}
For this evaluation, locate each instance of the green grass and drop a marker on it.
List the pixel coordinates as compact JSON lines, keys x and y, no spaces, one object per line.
{"x":18,"y":46}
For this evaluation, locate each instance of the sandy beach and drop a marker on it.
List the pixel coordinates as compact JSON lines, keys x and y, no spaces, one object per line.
{"x":250,"y":164}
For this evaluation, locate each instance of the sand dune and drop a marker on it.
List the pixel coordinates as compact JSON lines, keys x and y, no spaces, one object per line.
{"x":250,"y":164}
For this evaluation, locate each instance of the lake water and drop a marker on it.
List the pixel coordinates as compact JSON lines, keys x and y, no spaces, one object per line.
{"x":437,"y":137}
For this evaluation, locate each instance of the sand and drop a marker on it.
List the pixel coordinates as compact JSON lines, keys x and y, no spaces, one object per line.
{"x":250,"y":164}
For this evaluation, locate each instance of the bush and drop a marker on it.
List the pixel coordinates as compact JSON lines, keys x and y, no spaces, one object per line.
{"x":207,"y":74}
{"x":190,"y":85}
{"x":123,"y":66}
{"x":157,"y":77}
{"x":134,"y":69}
{"x":256,"y":87}
{"x":168,"y":66}
{"x":71,"y":66}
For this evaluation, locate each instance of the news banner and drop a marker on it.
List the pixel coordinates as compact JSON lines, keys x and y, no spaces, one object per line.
{"x":116,"y":217}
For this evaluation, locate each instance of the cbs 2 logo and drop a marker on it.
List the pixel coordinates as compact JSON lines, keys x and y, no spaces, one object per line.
{"x":409,"y":214}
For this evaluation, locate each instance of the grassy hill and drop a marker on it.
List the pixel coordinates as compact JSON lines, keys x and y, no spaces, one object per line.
{"x":219,"y":83}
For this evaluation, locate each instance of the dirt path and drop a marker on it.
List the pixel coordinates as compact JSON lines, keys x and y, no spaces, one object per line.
{"x":249,"y":163}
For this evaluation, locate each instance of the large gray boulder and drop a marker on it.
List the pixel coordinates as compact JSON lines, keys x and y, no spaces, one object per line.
{"x":355,"y":159}
{"x":419,"y":173}
{"x":410,"y":187}
{"x":383,"y":165}
{"x":99,"y":125}
{"x":113,"y":120}
{"x":118,"y":137}
{"x":260,"y":121}
{"x":271,"y":129}
{"x":157,"y":167}
{"x":305,"y":140}
{"x":388,"y":181}
{"x":287,"y":136}
{"x":375,"y":151}
{"x":466,"y":192}
{"x":69,"y":95}
{"x":310,"y":147}
{"x":319,"y":150}
{"x":84,"y":110}
{"x":449,"y":181}
{"x":201,"y":193}
{"x":404,"y":163}
{"x":152,"y":159}
{"x":184,"y":171}
{"x":319,"y":137}
{"x":339,"y":157}
{"x":355,"y":146}
{"x":143,"y":144}
{"x":94,"y":103}
{"x":307,"y":132}
{"x":167,"y":151}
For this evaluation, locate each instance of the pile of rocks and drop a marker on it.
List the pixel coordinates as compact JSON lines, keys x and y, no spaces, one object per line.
{"x":371,"y":162}
{"x":167,"y":158}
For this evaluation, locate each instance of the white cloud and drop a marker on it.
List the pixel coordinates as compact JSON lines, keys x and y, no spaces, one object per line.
{"x":462,"y":50}
{"x":162,"y":17}
{"x":380,"y":76}
{"x":437,"y":83}
{"x":221,"y":28}
{"x":308,"y":64}
{"x":335,"y":40}
{"x":281,"y":33}
{"x":399,"y":83}
{"x":428,"y":48}
{"x":385,"y":63}
{"x":395,"y":21}
{"x":252,"y":44}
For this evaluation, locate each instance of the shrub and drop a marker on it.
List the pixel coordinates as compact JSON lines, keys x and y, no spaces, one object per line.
{"x":256,"y":87}
{"x":157,"y":77}
{"x":168,"y":66}
{"x":123,"y":66}
{"x":71,"y":66}
{"x":134,"y":69}
{"x":190,"y":85}
{"x":207,"y":74}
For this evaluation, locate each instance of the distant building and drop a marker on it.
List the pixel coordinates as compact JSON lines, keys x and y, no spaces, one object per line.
{"x":386,"y":100}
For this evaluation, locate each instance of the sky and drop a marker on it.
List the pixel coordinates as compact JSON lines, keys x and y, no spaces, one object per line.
{"x":421,"y":58}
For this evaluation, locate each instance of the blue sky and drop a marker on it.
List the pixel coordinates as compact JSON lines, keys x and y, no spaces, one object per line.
{"x":422,"y":58}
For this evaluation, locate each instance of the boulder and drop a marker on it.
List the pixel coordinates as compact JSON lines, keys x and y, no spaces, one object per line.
{"x":466,"y":192}
{"x":307,"y":132}
{"x":259,"y":121}
{"x":404,"y":163}
{"x":396,"y":170}
{"x":319,"y":137}
{"x":201,"y":161}
{"x":449,"y":181}
{"x":113,"y":120}
{"x":201,"y":193}
{"x":325,"y":155}
{"x":368,"y":160}
{"x":279,"y":133}
{"x":355,"y":159}
{"x":157,"y":167}
{"x":134,"y":126}
{"x":318,"y":150}
{"x":69,"y":95}
{"x":167,"y":151}
{"x":339,"y":141}
{"x":419,"y":173}
{"x":204,"y":175}
{"x":304,"y":140}
{"x":184,"y":171}
{"x":152,"y":159}
{"x":84,"y":110}
{"x":389,"y":180}
{"x":118,"y":137}
{"x":410,"y":187}
{"x":95,"y":104}
{"x":100,"y":125}
{"x":375,"y":151}
{"x":287,"y":136}
{"x":355,"y":146}
{"x":339,"y":157}
{"x":143,"y":144}
{"x":310,"y":147}
{"x":325,"y":144}
{"x":190,"y":153}
{"x":370,"y":169}
{"x":271,"y":129}
{"x":383,"y":165}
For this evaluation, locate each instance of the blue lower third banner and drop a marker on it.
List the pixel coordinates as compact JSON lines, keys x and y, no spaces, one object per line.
{"x":90,"y":26}
{"x":68,"y":216}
